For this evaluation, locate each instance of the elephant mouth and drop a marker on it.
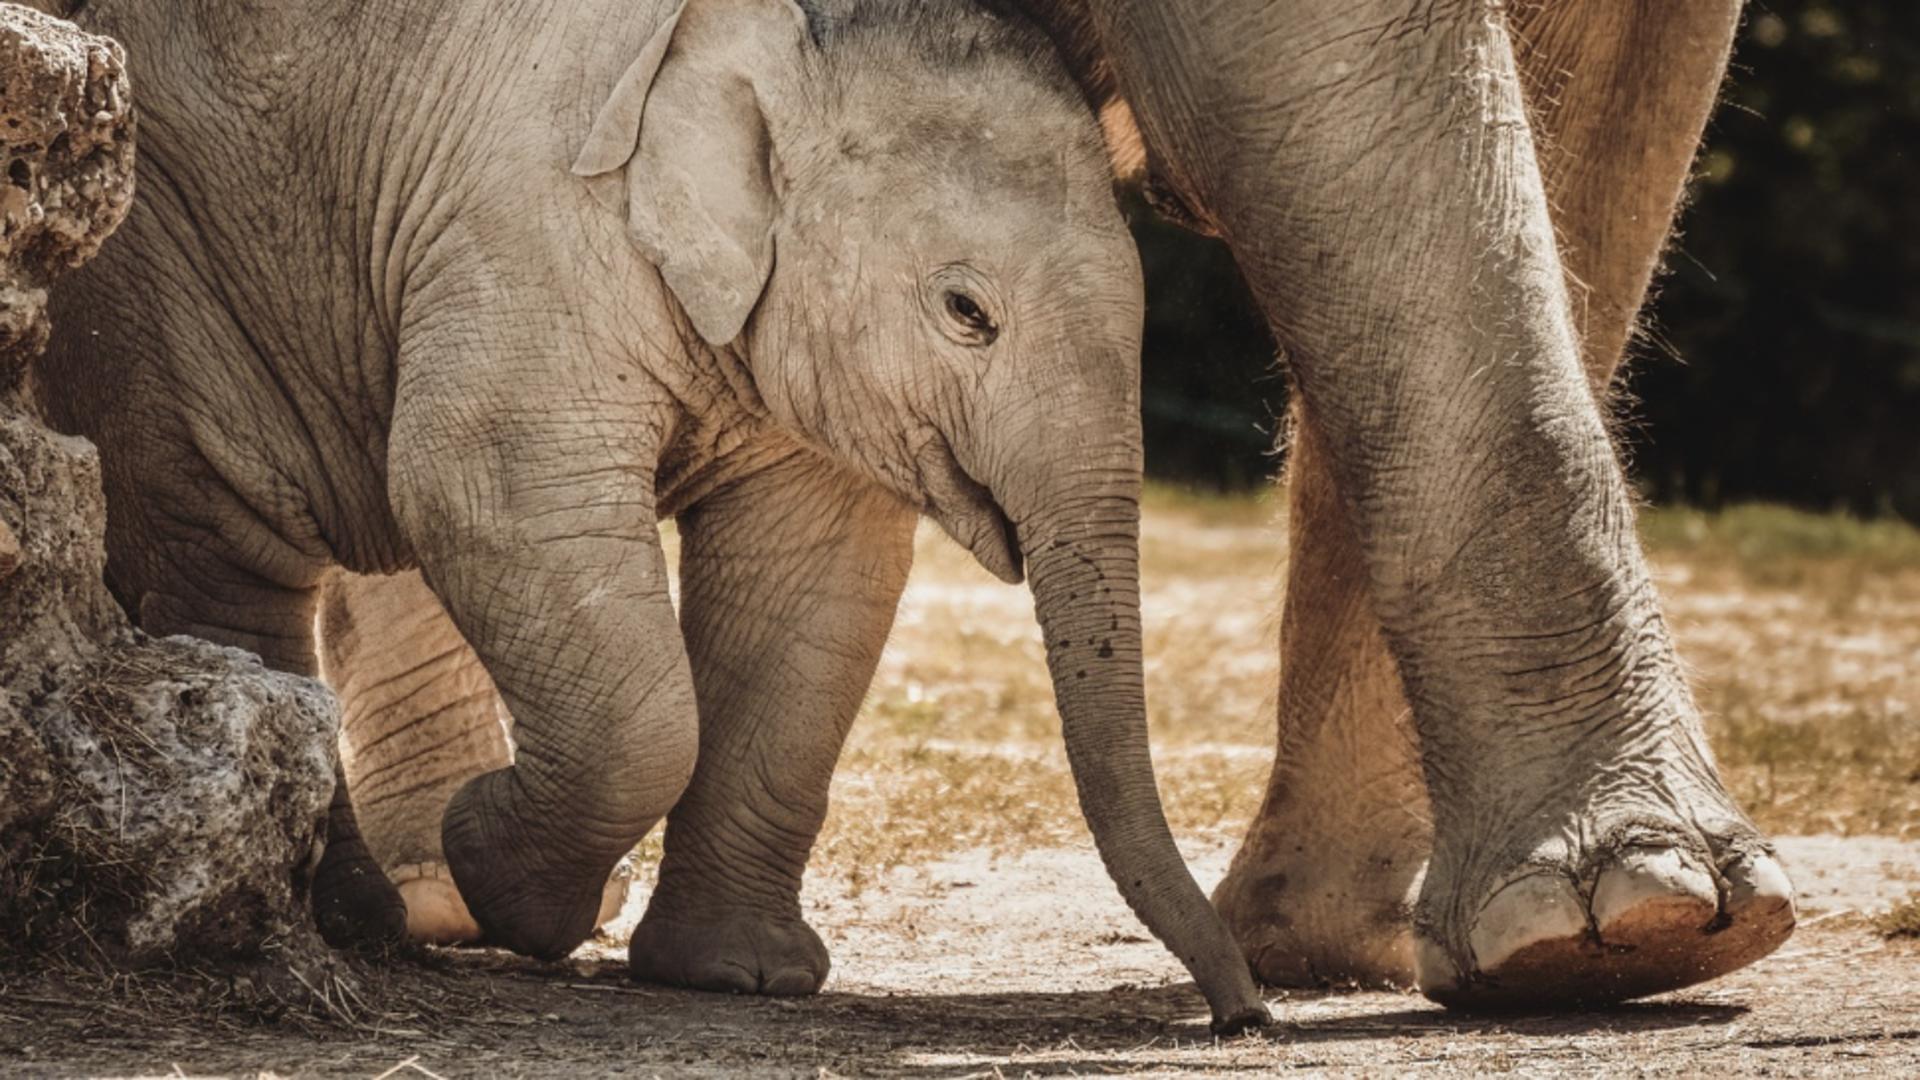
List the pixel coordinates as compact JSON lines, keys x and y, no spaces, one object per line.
{"x":965,"y":509}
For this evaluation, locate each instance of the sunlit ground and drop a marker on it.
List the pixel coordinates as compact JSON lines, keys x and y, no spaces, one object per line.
{"x":975,"y":933}
{"x":1803,"y":633}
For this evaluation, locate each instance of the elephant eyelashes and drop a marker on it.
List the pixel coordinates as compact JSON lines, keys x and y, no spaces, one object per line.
{"x":975,"y":325}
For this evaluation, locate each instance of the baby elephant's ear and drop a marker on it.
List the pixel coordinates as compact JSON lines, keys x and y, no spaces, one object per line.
{"x":687,"y":126}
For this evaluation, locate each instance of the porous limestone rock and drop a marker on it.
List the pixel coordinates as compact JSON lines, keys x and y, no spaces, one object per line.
{"x":66,"y":165}
{"x":160,"y":800}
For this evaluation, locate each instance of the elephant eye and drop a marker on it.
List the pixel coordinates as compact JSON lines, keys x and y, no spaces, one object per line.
{"x":958,"y":302}
{"x":964,"y":310}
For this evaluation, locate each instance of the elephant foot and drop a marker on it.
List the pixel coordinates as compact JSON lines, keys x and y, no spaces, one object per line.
{"x":524,"y":889}
{"x":730,"y":953}
{"x":436,"y":914}
{"x":1321,"y":892}
{"x":1644,"y":910}
{"x":1323,"y":915}
{"x":354,"y":904}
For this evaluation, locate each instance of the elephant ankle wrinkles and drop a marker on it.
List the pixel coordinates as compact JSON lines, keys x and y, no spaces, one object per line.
{"x":693,"y":890}
{"x":777,"y":871}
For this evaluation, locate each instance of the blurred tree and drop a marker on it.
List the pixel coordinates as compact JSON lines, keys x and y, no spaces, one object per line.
{"x":1793,"y":302}
{"x":1212,"y":389}
{"x":1782,"y":353}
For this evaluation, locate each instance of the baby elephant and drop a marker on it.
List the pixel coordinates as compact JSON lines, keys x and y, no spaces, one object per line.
{"x":400,"y":296}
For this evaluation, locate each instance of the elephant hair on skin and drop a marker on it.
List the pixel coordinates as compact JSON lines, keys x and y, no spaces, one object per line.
{"x":160,"y":800}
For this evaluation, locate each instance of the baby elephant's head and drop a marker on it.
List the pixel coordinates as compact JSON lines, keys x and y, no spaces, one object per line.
{"x":899,"y":214}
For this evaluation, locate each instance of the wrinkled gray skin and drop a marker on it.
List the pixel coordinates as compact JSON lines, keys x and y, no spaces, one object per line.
{"x":366,"y":316}
{"x":1492,"y":779}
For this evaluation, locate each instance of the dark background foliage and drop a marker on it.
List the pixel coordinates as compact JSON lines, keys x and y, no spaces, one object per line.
{"x":1782,"y":354}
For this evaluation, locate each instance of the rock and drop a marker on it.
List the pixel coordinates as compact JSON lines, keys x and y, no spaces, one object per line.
{"x":189,"y":783}
{"x":9,"y":552}
{"x":66,"y":165}
{"x":160,"y":800}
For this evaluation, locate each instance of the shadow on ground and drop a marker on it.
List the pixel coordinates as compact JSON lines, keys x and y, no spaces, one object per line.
{"x":481,"y":1012}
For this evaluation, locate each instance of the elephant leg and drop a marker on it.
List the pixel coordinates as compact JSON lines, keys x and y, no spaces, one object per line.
{"x":521,"y":476}
{"x":1322,"y":888}
{"x":1378,"y":173}
{"x":1620,"y":94}
{"x":789,"y":580}
{"x":1677,"y":889}
{"x":353,"y":902}
{"x":419,"y":718}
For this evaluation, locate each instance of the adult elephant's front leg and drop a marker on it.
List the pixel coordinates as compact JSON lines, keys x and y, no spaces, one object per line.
{"x":788,"y":586}
{"x":1374,"y":167}
{"x":521,"y":478}
{"x":1621,"y":93}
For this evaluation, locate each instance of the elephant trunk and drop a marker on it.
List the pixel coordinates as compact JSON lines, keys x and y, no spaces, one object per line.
{"x":1081,"y":548}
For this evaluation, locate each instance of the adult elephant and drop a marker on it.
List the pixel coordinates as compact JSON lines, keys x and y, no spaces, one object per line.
{"x":1450,"y":211}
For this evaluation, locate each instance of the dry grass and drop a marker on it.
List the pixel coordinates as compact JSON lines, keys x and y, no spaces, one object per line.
{"x":1802,"y":631}
{"x":1802,"y":657}
{"x":1902,"y":920}
{"x":959,"y":745}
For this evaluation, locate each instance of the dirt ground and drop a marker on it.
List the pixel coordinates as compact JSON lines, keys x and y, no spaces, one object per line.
{"x":975,"y":933}
{"x":976,"y":966}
